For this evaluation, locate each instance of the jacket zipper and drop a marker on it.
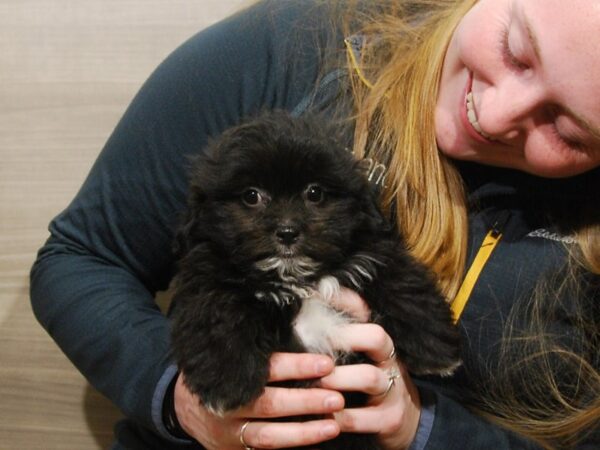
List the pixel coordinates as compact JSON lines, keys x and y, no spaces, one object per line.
{"x":487,"y":247}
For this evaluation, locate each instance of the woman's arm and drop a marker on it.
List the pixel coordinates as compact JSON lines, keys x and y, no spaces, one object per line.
{"x":453,"y":426}
{"x":443,"y":423}
{"x":93,"y":283}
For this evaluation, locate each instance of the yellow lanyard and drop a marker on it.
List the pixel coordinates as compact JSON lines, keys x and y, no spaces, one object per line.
{"x":485,"y":250}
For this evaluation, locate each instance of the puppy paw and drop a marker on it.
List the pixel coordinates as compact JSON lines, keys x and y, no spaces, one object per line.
{"x":427,"y":341}
{"x":228,"y":384}
{"x":445,"y":367}
{"x":432,"y":350}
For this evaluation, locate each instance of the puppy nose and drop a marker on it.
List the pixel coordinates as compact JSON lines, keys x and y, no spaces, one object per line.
{"x":287,"y":234}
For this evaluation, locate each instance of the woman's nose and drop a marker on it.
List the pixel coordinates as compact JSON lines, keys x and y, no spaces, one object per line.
{"x":508,"y":108}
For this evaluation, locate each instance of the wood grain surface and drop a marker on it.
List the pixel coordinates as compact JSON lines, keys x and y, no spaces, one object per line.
{"x":68,"y":69}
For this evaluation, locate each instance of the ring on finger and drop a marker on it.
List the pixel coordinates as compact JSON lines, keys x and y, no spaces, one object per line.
{"x":242,"y":441}
{"x":392,"y":375}
{"x":390,"y":357}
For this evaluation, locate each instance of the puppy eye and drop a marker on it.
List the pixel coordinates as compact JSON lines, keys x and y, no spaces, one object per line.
{"x":314,"y":193}
{"x":252,"y":197}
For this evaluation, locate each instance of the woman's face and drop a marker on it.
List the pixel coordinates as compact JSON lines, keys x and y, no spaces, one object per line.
{"x":520,"y":87}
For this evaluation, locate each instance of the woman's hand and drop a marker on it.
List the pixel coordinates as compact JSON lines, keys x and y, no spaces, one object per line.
{"x":394,"y":407}
{"x":223,"y":433}
{"x":391,"y":413}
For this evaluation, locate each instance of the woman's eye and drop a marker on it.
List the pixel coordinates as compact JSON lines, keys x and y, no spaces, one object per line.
{"x":571,"y":144}
{"x":252,"y":197}
{"x":507,"y":54}
{"x":314,"y":194}
{"x":567,"y":139}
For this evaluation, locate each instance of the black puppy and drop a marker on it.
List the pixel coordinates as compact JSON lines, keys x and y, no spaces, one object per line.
{"x":280,"y":216}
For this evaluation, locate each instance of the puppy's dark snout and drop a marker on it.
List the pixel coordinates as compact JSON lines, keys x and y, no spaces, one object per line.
{"x":287,"y":234}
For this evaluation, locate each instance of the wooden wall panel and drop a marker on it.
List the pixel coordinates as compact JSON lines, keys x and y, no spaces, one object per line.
{"x":68,"y":69}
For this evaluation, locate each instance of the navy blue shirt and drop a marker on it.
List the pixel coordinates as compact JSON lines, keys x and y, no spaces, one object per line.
{"x":93,"y":284}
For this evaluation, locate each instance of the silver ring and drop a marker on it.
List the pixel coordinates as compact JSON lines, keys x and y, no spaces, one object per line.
{"x":246,"y":446}
{"x":392,"y":375}
{"x":391,"y":356}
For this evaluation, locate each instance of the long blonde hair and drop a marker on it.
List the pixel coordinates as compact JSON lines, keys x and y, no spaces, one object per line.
{"x":395,"y":91}
{"x":395,"y":124}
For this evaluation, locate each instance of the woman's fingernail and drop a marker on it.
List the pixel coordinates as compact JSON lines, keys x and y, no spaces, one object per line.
{"x":323,"y":366}
{"x":329,"y":431}
{"x":333,"y":402}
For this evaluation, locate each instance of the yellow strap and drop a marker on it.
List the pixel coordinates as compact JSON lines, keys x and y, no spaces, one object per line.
{"x":462,"y":297}
{"x":355,"y":64}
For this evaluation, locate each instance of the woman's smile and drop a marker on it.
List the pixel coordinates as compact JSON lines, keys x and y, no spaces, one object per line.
{"x":468,"y":115}
{"x":515,"y":84}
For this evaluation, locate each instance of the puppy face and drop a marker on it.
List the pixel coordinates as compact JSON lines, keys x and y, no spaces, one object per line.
{"x":280,"y":195}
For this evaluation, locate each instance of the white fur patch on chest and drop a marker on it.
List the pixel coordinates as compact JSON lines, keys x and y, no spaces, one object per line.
{"x":317,"y":322}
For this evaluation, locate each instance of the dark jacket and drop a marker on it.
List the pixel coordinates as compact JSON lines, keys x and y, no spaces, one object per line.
{"x":93,"y":284}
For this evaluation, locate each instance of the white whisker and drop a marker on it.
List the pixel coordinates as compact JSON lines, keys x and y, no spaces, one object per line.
{"x":362,"y":269}
{"x":353,"y":280}
{"x":289,"y":269}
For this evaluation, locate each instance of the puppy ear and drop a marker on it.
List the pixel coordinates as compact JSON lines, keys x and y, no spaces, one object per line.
{"x":184,"y":235}
{"x":201,"y":171}
{"x":373,"y":177}
{"x":377,"y":221}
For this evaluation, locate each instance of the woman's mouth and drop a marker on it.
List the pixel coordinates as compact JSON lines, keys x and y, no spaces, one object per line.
{"x":472,"y":116}
{"x":469,"y":115}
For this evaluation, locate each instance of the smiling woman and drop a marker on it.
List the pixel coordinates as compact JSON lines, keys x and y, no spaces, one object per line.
{"x":507,"y":98}
{"x":530,"y":106}
{"x":485,"y":114}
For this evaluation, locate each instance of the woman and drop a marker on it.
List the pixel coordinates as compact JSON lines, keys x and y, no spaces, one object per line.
{"x":486,"y":116}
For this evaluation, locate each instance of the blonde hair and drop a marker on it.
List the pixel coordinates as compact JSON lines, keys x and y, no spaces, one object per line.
{"x":395,"y":125}
{"x":546,"y":385}
{"x":395,"y":89}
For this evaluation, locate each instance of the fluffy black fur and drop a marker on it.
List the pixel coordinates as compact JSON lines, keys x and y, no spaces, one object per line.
{"x":275,"y":206}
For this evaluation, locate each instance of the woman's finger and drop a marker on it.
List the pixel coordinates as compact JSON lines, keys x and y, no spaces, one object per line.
{"x":298,"y":366}
{"x":372,"y":419}
{"x":392,"y":415}
{"x":266,"y":435}
{"x":386,"y":413}
{"x":351,"y":303}
{"x":370,"y":339}
{"x":284,"y":402}
{"x":365,"y":378}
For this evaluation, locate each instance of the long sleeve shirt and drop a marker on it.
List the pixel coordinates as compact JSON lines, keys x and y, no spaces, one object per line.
{"x":109,"y":252}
